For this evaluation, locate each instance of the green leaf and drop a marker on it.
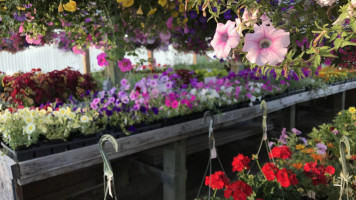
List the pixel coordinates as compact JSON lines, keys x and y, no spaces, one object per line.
{"x":347,"y":43}
{"x":353,"y":25}
{"x":337,"y":42}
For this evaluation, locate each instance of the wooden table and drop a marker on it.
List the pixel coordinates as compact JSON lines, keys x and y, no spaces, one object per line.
{"x":17,"y":174}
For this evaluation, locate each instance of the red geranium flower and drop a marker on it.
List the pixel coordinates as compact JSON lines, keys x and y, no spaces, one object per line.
{"x":239,"y":190}
{"x":240,"y":163}
{"x":317,"y":172}
{"x":286,"y":178}
{"x":282,"y":152}
{"x":282,"y":177}
{"x":330,"y":170}
{"x":269,"y":170}
{"x":218,"y":180}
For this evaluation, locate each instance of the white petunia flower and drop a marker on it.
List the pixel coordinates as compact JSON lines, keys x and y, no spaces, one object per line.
{"x":30,"y":128}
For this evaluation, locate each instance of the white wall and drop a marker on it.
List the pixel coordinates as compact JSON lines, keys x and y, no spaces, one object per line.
{"x":49,"y":58}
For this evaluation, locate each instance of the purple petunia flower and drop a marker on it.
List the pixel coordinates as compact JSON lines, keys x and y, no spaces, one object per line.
{"x":154,"y":110}
{"x":321,"y":148}
{"x":296,"y":131}
{"x":143,"y":109}
{"x":123,"y":81}
{"x":96,"y":101}
{"x":283,"y":137}
{"x":125,"y":99}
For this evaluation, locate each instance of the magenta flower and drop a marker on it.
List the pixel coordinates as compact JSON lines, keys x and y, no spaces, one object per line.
{"x":175,"y":104}
{"x":225,"y":38}
{"x":102,"y":60}
{"x":249,"y":95}
{"x":125,"y":65}
{"x":237,"y":92}
{"x":78,"y":50}
{"x":267,"y":45}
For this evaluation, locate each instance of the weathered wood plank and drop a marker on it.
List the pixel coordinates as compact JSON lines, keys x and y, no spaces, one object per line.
{"x":6,"y":180}
{"x":41,"y":168}
{"x":199,"y":143}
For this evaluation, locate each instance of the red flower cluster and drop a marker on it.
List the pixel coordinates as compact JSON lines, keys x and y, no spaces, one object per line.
{"x":239,"y":190}
{"x":317,"y":172}
{"x":282,"y":152}
{"x":218,"y":180}
{"x":240,"y":163}
{"x":284,"y":176}
{"x":35,"y":88}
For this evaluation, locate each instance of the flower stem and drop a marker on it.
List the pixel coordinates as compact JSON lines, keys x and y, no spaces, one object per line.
{"x":215,"y":193}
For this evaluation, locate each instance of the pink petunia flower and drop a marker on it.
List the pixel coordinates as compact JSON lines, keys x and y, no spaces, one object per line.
{"x":250,"y":15}
{"x":78,"y":50}
{"x":175,"y":104}
{"x":125,"y":65}
{"x":225,"y":38}
{"x":323,"y":3}
{"x":102,"y":60}
{"x":267,"y":45}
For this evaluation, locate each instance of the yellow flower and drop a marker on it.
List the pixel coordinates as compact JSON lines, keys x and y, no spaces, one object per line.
{"x":126,"y":3}
{"x":172,"y":5}
{"x":352,"y":110}
{"x":152,"y":11}
{"x":181,"y":8}
{"x":69,"y":110}
{"x":20,"y":8}
{"x":175,"y":14}
{"x":30,"y":128}
{"x":142,"y":25}
{"x":139,"y":11}
{"x":71,"y":6}
{"x":84,"y":119}
{"x":162,"y":2}
{"x":299,"y":147}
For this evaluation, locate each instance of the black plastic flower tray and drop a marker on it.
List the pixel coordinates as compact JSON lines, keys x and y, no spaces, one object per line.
{"x":144,"y":128}
{"x":20,"y":155}
{"x":292,"y":92}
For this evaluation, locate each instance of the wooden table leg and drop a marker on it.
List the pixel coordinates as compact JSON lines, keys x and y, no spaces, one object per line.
{"x":174,"y":158}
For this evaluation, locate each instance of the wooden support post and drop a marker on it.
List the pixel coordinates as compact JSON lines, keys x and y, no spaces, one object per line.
{"x":195,"y":58}
{"x":288,"y":117}
{"x":292,"y":116}
{"x":151,"y":59}
{"x":174,"y":157}
{"x":114,"y":73}
{"x":339,"y":101}
{"x":86,"y":61}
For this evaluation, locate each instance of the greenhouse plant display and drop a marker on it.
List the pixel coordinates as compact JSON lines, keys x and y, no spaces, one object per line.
{"x":277,"y":52}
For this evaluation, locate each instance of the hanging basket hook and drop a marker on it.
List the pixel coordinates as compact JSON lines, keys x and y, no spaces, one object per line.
{"x":264,"y":109}
{"x":109,"y":182}
{"x":211,"y":116}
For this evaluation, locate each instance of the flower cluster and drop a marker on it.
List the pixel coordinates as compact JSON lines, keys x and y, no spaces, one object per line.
{"x":35,"y":88}
{"x":318,"y":173}
{"x":240,"y":163}
{"x":238,"y":190}
{"x":282,"y":152}
{"x":218,"y":180}
{"x":24,"y":126}
{"x":284,"y":176}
